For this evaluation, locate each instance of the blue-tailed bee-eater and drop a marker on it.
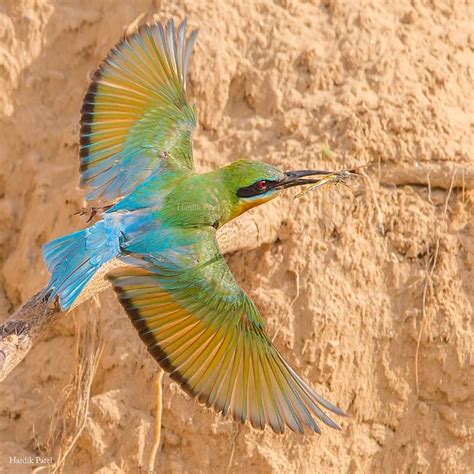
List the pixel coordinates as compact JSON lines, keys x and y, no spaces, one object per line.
{"x":136,"y":152}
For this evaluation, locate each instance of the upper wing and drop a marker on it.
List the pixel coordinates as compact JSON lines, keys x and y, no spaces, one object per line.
{"x":135,"y":117}
{"x":203,"y":329}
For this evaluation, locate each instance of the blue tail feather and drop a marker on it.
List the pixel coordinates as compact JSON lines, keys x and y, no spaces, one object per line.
{"x":74,"y":259}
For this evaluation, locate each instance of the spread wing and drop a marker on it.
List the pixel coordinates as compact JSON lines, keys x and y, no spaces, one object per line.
{"x":135,"y":116}
{"x":203,"y":329}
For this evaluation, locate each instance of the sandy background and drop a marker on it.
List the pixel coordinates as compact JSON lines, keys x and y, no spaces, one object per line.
{"x":353,"y":276}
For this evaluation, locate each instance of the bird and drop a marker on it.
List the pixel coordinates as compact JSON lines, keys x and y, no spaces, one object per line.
{"x":136,"y":153}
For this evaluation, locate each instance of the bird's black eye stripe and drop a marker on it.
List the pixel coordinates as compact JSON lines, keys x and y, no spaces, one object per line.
{"x":259,"y":187}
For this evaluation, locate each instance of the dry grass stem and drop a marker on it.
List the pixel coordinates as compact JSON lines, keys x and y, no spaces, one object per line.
{"x":431,"y":265}
{"x":159,"y":411}
{"x":71,"y":409}
{"x":237,"y":428}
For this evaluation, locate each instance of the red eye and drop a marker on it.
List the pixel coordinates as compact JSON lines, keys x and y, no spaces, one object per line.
{"x":261,"y":185}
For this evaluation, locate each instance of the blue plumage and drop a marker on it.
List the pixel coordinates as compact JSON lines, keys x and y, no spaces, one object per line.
{"x":74,"y":259}
{"x":134,"y":221}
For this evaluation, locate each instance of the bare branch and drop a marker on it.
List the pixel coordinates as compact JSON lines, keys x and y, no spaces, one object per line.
{"x":437,"y":175}
{"x":23,"y":329}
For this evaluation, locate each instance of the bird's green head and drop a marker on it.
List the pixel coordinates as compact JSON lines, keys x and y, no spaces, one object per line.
{"x":251,"y":183}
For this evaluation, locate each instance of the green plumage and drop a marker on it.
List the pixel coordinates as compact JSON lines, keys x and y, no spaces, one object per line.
{"x":136,"y":146}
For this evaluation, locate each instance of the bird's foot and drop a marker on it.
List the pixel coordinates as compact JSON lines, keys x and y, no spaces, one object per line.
{"x":91,"y":212}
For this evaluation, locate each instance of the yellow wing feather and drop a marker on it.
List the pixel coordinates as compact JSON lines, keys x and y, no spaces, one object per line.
{"x":224,"y":358}
{"x":135,"y":112}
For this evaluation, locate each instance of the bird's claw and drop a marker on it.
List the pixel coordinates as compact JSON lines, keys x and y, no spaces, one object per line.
{"x":91,"y":212}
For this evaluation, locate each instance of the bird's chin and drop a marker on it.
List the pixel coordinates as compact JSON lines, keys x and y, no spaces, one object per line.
{"x":249,"y":203}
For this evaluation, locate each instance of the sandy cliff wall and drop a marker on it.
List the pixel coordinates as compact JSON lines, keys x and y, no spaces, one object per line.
{"x":352,"y":278}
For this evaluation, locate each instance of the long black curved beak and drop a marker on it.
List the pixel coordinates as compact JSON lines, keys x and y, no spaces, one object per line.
{"x":298,"y":178}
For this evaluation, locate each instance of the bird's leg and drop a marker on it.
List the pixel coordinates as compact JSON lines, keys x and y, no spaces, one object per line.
{"x":91,"y":211}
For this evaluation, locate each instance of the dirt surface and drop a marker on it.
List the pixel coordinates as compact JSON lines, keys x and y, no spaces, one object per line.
{"x":355,"y":278}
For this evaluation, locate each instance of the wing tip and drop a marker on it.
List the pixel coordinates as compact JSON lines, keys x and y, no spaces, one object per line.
{"x":302,"y":423}
{"x":340,"y":412}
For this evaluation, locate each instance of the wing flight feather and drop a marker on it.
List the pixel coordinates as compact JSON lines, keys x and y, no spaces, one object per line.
{"x":135,"y":116}
{"x":203,"y":329}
